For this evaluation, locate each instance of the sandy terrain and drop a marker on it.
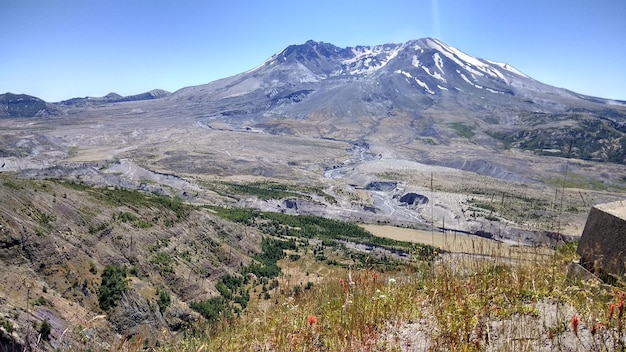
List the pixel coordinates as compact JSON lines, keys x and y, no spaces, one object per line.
{"x":456,"y":243}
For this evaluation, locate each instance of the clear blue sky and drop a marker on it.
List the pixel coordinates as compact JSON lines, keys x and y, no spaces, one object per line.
{"x":60,"y":49}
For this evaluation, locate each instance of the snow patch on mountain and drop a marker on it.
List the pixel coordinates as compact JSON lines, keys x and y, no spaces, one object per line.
{"x":467,"y":80}
{"x":508,"y":68}
{"x":494,"y":91}
{"x":463,"y":56}
{"x":424,"y":85}
{"x":438,"y":62}
{"x":469,"y":63}
{"x":436,"y":75}
{"x":450,"y":54}
{"x":615,"y":102}
{"x":415,"y":61}
{"x":268,"y":62}
{"x":420,"y":83}
{"x":370,"y":59}
{"x":416,"y":47}
{"x":404,"y":73}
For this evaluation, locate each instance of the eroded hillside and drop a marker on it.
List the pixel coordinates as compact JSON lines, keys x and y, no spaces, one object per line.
{"x":57,"y":238}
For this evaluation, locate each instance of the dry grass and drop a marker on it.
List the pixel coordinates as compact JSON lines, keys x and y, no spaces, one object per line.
{"x":473,"y":305}
{"x":459,"y":243}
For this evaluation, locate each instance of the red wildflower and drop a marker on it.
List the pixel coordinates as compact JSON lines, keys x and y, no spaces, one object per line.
{"x":312,"y":320}
{"x":596,"y":328}
{"x":575,"y":322}
{"x":611,"y":310}
{"x":375,"y":276}
{"x":620,"y":309}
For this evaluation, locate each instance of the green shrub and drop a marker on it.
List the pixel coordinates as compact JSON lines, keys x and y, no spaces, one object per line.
{"x":45,"y":329}
{"x":92,"y":268}
{"x":112,"y":287}
{"x":213,"y":309}
{"x":6,"y":325}
{"x":40,"y":301}
{"x":163,"y":261}
{"x":164,"y":300}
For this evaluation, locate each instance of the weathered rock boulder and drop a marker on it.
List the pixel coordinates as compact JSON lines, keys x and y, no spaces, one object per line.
{"x":602,"y":247}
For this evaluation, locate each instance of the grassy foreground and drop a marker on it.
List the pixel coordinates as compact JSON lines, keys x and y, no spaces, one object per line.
{"x":473,"y":304}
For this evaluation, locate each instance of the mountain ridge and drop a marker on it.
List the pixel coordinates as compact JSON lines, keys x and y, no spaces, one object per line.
{"x":115,"y":98}
{"x":418,"y":63}
{"x":438,"y":90}
{"x":21,"y":105}
{"x":435,"y":85}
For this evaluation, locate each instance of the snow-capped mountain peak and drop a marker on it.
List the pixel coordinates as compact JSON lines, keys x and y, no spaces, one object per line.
{"x":367,"y":59}
{"x":416,"y":73}
{"x":430,"y":56}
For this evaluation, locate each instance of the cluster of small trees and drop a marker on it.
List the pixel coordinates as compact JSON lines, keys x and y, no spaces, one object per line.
{"x":234,"y":290}
{"x":112,"y":287}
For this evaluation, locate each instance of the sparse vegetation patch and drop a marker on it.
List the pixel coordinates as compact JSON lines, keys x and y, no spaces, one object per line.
{"x":266,"y":190}
{"x":112,"y":287}
{"x":463,"y":130}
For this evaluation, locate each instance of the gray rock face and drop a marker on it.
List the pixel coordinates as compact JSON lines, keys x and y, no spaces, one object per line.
{"x":414,"y":199}
{"x":291,"y":204}
{"x":134,"y":313}
{"x":602,"y":246}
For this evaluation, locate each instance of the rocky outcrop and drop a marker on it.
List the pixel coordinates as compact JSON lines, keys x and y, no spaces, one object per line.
{"x":413,"y":199}
{"x":134,"y":313}
{"x":602,"y":247}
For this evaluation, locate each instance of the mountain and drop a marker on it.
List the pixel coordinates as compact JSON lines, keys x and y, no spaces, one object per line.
{"x":114,"y":98}
{"x":444,"y":92}
{"x":412,"y":76}
{"x":419,"y":92}
{"x":22,"y":105}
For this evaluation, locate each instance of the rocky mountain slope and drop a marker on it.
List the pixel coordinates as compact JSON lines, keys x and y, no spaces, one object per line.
{"x":439,"y":92}
{"x":22,"y":105}
{"x":58,"y":239}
